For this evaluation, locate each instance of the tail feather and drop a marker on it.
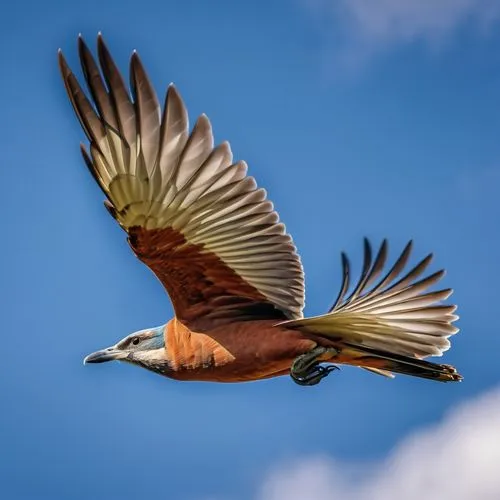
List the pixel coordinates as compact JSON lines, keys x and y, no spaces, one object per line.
{"x":393,"y":325}
{"x":385,"y":363}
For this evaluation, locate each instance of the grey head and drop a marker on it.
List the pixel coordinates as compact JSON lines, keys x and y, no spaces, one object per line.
{"x":145,"y":348}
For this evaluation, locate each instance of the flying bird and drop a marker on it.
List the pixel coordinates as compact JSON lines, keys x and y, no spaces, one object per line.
{"x":215,"y":242}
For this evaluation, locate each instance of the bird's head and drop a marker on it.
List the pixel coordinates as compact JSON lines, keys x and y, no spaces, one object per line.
{"x":145,"y":347}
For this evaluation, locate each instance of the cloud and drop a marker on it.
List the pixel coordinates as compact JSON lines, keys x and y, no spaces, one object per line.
{"x":458,"y":458}
{"x":364,"y":28}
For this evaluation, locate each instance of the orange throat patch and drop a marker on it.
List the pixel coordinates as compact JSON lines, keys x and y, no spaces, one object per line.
{"x":188,"y":350}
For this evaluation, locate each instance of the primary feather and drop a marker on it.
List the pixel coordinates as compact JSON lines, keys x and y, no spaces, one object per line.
{"x":171,"y":189}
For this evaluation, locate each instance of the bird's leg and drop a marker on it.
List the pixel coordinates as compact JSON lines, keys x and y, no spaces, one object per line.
{"x":306,"y":369}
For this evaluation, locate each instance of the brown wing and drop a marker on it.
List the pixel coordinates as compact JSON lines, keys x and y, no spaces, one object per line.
{"x":192,"y":215}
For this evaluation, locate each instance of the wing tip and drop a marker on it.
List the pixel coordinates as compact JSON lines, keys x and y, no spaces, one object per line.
{"x":82,"y":46}
{"x":135,"y":60}
{"x":173,"y":93}
{"x":103,"y":51}
{"x":63,"y":65}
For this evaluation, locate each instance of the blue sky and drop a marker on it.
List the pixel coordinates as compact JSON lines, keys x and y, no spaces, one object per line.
{"x":382,"y":123}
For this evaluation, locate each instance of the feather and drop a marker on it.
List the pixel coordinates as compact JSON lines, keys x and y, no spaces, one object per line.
{"x":193,"y":216}
{"x":395,"y":316}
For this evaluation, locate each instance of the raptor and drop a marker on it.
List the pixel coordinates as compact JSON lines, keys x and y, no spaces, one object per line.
{"x":214,"y":240}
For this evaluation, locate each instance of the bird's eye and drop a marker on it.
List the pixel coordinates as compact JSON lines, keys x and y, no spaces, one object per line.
{"x":136,"y":340}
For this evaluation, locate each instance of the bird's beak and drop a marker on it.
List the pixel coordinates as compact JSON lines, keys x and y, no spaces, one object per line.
{"x":109,"y":354}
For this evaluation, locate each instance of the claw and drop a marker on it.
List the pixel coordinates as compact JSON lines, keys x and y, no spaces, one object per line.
{"x":316,"y":376}
{"x":306,"y":369}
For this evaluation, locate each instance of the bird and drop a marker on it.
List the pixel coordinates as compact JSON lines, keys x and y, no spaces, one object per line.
{"x":202,"y":225}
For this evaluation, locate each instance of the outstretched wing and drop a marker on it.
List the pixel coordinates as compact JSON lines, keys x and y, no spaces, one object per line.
{"x":191,"y":214}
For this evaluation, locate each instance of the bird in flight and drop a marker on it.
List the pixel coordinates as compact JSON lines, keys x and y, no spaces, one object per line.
{"x":234,"y":277}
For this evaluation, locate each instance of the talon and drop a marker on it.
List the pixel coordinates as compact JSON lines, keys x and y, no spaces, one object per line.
{"x":306,"y":370}
{"x":315,"y":377}
{"x":331,"y":368}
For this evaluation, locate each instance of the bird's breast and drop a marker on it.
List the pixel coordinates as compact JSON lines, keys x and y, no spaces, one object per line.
{"x":188,"y":350}
{"x":233,"y":353}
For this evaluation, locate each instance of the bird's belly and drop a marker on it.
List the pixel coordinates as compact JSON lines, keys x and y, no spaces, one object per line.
{"x":239,"y":353}
{"x":236,"y":371}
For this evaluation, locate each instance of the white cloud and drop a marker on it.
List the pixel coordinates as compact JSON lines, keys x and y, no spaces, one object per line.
{"x":459,"y":459}
{"x":362,"y":28}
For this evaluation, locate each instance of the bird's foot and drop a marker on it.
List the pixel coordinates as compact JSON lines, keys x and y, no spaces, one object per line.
{"x":306,"y":369}
{"x":314,"y":377}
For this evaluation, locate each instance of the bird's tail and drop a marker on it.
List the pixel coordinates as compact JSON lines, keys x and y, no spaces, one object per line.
{"x":388,"y":327}
{"x":386,"y":363}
